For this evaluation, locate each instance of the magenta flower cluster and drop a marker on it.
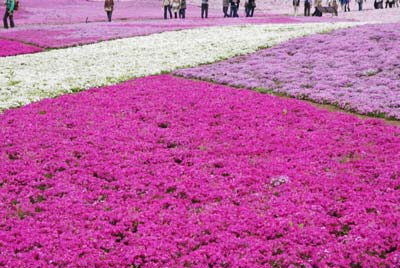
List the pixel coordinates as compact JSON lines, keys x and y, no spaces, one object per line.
{"x":168,"y":172}
{"x":11,"y":48}
{"x":64,"y":35}
{"x":356,"y":69}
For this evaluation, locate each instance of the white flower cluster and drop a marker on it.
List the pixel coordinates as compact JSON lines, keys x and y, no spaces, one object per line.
{"x":28,"y":78}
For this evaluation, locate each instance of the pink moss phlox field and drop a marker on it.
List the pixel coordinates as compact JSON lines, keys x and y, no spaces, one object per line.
{"x":78,"y":11}
{"x":356,"y":69}
{"x":54,"y":36}
{"x":75,"y":11}
{"x":167,"y":172}
{"x":11,"y":48}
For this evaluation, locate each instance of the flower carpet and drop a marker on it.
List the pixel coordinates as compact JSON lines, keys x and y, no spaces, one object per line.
{"x":12,"y":48}
{"x":148,"y":143}
{"x":362,"y":74}
{"x":33,"y":77}
{"x":163,"y":172}
{"x":65,"y":35}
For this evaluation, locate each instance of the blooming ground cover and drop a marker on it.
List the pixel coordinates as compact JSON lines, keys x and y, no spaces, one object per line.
{"x":11,"y":48}
{"x":356,"y":69}
{"x":75,"y":11}
{"x":285,"y":7}
{"x":165,"y":172}
{"x":33,"y":77}
{"x":64,"y":35}
{"x":390,"y":15}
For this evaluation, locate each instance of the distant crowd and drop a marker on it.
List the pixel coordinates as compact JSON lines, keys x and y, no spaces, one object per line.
{"x":334,"y":5}
{"x":230,"y":8}
{"x":177,"y":8}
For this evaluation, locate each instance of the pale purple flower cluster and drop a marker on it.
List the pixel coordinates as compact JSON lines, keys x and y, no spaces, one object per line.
{"x":355,"y":69}
{"x":11,"y":48}
{"x":168,"y":172}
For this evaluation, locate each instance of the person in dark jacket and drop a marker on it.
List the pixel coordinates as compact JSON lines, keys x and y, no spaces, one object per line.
{"x":10,"y":4}
{"x":204,"y":9}
{"x":234,"y":8}
{"x":307,"y":7}
{"x":182,"y":9}
{"x":252,"y":6}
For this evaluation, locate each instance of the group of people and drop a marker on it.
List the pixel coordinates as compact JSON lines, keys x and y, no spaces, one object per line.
{"x":179,"y":7}
{"x":317,"y":4}
{"x":176,"y":7}
{"x":388,"y":3}
{"x":11,"y":6}
{"x":307,"y":7}
{"x":233,"y":6}
{"x":344,"y":4}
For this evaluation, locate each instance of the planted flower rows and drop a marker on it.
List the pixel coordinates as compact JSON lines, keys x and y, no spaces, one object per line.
{"x":12,"y":48}
{"x":355,"y":69}
{"x":164,"y":172}
{"x":65,"y":35}
{"x":33,"y":77}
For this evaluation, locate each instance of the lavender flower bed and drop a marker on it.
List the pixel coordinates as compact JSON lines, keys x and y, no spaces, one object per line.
{"x":11,"y":48}
{"x":356,"y":69}
{"x":165,"y":172}
{"x":55,"y":36}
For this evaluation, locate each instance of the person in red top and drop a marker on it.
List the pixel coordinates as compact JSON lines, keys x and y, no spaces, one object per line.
{"x":109,"y":7}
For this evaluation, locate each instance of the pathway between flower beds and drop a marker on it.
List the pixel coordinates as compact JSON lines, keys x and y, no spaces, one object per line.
{"x":64,"y":35}
{"x":12,"y":48}
{"x":163,"y":172}
{"x":29,"y":78}
{"x":355,"y":69}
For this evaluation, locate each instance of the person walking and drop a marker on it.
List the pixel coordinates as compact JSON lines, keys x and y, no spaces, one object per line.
{"x":204,"y":9}
{"x":252,"y":6}
{"x":360,"y":4}
{"x":307,"y":8}
{"x":109,"y":7}
{"x":296,"y":4}
{"x":346,"y":5}
{"x":167,"y":8}
{"x":182,"y":9}
{"x":9,"y":14}
{"x":341,"y":5}
{"x":225,"y":7}
{"x":390,"y":3}
{"x":175,"y":7}
{"x":234,"y":8}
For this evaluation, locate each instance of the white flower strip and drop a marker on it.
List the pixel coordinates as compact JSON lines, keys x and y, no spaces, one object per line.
{"x":28,"y":78}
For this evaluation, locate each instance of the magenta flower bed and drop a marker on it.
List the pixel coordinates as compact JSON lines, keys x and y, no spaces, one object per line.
{"x":165,"y":172}
{"x":356,"y":69}
{"x":11,"y":48}
{"x":54,"y":36}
